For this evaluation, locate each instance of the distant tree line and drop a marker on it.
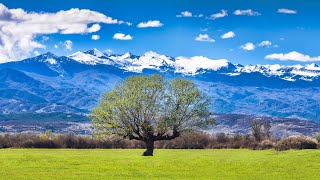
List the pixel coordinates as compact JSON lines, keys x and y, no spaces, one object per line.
{"x":188,"y":140}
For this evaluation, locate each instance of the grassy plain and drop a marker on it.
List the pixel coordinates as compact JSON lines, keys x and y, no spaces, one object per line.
{"x":165,"y":164}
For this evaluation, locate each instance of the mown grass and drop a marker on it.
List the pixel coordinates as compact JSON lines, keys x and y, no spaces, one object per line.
{"x":165,"y":164}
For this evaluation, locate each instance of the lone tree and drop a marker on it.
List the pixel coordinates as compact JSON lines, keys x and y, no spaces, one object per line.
{"x":150,"y":108}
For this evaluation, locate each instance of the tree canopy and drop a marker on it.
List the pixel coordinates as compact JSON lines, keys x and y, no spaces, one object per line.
{"x":151,"y":108}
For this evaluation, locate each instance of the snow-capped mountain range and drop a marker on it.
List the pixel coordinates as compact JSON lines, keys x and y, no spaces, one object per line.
{"x":192,"y":66}
{"x":73,"y":84}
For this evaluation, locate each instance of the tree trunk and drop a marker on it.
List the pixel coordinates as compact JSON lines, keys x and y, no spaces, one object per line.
{"x":150,"y":147}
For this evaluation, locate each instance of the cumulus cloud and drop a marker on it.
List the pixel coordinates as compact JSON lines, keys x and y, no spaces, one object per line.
{"x":68,"y":45}
{"x":292,"y":56}
{"x":228,"y":35}
{"x":95,"y":37}
{"x":188,"y":14}
{"x":265,"y":44}
{"x":248,"y":46}
{"x":121,"y":36}
{"x":247,"y":12}
{"x":221,"y":14}
{"x":185,"y":14}
{"x":151,"y":23}
{"x":19,"y":28}
{"x":56,"y":46}
{"x":287,"y":11}
{"x":204,"y":37}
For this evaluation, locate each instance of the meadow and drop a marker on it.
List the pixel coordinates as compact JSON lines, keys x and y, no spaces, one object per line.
{"x":165,"y":164}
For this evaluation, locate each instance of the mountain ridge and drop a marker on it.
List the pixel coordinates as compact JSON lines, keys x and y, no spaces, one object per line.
{"x":187,"y":66}
{"x":76,"y":85}
{"x":197,"y":65}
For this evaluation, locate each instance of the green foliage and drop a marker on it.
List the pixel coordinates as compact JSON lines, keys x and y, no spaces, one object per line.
{"x":169,"y":164}
{"x":150,"y":107}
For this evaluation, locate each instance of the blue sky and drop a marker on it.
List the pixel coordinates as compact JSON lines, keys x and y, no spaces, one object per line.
{"x":291,"y":36}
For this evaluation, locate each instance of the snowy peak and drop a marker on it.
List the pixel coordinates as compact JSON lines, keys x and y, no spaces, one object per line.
{"x":288,"y":73}
{"x":95,"y":52}
{"x":51,"y":60}
{"x":128,"y":55}
{"x":192,"y":65}
{"x":195,"y":65}
{"x":268,"y":70}
{"x":48,"y":55}
{"x":47,"y":58}
{"x":90,"y":57}
{"x":123,"y":60}
{"x":151,"y":60}
{"x":156,"y":59}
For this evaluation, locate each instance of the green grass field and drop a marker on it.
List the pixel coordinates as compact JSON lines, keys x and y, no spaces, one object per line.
{"x":166,"y":164}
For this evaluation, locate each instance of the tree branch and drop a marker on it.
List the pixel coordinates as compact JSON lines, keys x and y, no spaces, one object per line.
{"x":174,"y":135}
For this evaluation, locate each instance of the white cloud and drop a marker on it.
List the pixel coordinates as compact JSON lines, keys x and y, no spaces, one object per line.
{"x":248,"y":46}
{"x":247,"y":12}
{"x":68,"y":45}
{"x":228,"y":35}
{"x":265,"y":44}
{"x":204,"y":37}
{"x":56,"y":46}
{"x":188,"y":14}
{"x":127,"y":23}
{"x":121,"y":36}
{"x":221,"y":14}
{"x":292,"y":56}
{"x":185,"y":14}
{"x":36,"y":53}
{"x":95,"y":37}
{"x":94,"y":28}
{"x":287,"y":11}
{"x":152,"y":23}
{"x":19,"y":28}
